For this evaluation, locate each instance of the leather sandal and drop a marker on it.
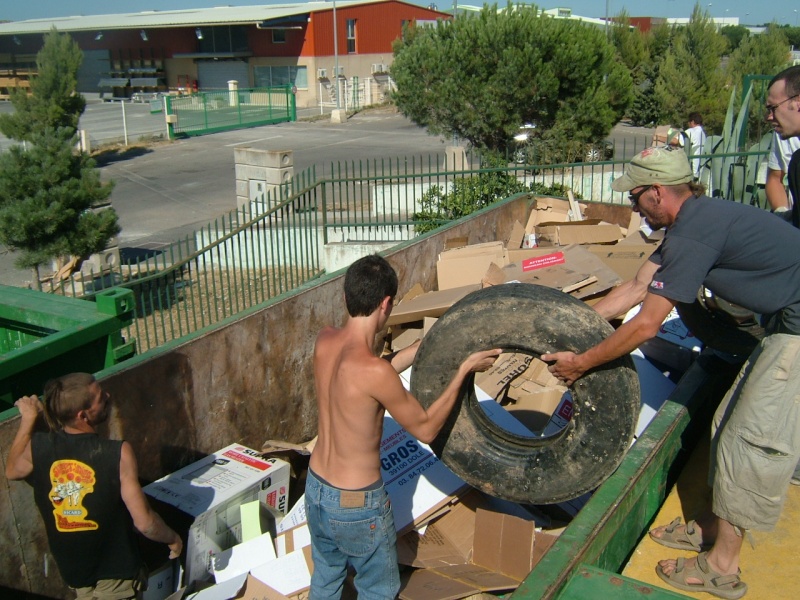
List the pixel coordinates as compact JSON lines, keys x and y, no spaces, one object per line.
{"x":689,"y":538}
{"x":724,"y":586}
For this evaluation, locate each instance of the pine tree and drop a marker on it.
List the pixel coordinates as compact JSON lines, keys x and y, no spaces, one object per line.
{"x":54,"y":101}
{"x":46,"y":195}
{"x":47,"y":188}
{"x":481,"y":77}
{"x":691,"y":78}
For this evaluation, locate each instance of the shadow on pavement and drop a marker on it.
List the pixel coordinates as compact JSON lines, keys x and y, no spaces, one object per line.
{"x":107,"y":157}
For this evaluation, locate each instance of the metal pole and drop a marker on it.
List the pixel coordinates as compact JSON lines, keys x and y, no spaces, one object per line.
{"x":336,"y":55}
{"x":608,"y":31}
{"x":124,"y":123}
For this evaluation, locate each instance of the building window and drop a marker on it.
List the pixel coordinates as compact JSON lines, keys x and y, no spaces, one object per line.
{"x":351,"y":36}
{"x":267,"y":76}
{"x":223,"y":38}
{"x":278,"y":36}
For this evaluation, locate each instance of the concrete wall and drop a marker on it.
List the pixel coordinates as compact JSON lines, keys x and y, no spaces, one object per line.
{"x":247,"y":380}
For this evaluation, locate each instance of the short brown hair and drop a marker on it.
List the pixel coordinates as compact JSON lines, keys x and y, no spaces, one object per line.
{"x":65,"y":397}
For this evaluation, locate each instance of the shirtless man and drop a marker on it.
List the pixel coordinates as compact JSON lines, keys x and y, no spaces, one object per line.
{"x":349,"y":513}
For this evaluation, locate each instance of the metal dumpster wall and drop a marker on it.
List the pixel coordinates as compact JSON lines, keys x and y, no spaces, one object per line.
{"x":247,"y":380}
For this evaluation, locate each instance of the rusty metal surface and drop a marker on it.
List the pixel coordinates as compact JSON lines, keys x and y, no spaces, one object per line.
{"x":246,"y":381}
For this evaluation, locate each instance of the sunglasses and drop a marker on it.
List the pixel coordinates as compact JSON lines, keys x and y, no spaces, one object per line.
{"x":771,"y":108}
{"x":634,"y":198}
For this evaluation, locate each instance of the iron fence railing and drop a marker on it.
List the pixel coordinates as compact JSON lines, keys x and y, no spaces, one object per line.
{"x":275,"y":243}
{"x":207,"y":112}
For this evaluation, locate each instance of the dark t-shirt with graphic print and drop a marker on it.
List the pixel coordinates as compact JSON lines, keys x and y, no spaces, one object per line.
{"x":741,"y":253}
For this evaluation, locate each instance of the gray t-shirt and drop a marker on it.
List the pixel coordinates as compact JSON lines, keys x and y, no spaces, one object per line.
{"x":741,"y":253}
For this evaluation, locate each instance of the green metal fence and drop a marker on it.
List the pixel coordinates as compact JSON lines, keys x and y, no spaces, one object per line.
{"x":208,"y":112}
{"x":275,"y":245}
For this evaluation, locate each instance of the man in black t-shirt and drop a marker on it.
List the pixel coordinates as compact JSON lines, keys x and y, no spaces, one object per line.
{"x":86,"y":489}
{"x":748,"y":257}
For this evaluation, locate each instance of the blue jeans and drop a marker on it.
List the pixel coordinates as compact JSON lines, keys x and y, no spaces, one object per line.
{"x":343,"y":534}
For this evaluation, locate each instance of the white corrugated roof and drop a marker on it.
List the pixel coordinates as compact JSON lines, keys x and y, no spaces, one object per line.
{"x":221,"y":15}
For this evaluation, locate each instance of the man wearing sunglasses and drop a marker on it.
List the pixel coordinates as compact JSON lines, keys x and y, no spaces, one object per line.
{"x":747,"y":256}
{"x":783,"y":113}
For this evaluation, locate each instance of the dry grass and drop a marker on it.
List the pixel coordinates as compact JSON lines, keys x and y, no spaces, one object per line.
{"x":178,"y":305}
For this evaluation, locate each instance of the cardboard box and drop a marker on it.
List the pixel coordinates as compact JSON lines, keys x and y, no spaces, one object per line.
{"x":292,"y":539}
{"x":211,"y":491}
{"x":580,"y":232}
{"x":432,"y":304}
{"x":289,"y":574}
{"x":503,"y":550}
{"x":507,"y":366}
{"x":624,"y":259}
{"x":465,"y":266}
{"x":239,"y":559}
{"x":571,"y":269}
{"x":549,"y":210}
{"x":162,"y":582}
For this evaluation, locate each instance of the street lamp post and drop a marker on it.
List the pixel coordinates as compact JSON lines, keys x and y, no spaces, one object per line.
{"x":336,"y":55}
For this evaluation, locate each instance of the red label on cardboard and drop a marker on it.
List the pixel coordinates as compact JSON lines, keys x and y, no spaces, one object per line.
{"x":251,"y":461}
{"x":540,"y":262}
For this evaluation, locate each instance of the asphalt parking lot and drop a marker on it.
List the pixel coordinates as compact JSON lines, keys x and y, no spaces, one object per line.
{"x":165,"y":191}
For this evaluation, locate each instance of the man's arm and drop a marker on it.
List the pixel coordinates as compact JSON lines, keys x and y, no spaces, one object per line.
{"x":627,"y":295}
{"x":404,"y":358}
{"x":569,"y":366}
{"x":145,"y":519}
{"x":775,"y":190}
{"x":20,"y":460}
{"x":425,"y":424}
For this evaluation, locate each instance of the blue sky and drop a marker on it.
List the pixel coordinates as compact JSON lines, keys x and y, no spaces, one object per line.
{"x":782,"y":11}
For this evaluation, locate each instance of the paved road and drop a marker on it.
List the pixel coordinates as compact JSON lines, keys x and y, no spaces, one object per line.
{"x":164,"y":192}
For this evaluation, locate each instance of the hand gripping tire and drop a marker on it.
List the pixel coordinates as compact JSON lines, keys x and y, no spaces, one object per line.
{"x":536,"y":470}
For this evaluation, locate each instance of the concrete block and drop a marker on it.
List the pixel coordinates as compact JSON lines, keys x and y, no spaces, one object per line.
{"x":339,"y":115}
{"x":270,"y":175}
{"x":455,"y":158}
{"x":254,"y":157}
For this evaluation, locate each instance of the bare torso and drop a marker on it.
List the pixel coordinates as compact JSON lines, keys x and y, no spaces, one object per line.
{"x":347,"y":451}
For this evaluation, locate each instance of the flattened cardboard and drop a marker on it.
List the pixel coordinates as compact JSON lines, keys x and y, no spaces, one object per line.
{"x":432,"y":304}
{"x":582,"y":232}
{"x":508,"y":545}
{"x":429,"y":585}
{"x":258,"y":590}
{"x":516,"y":237}
{"x":578,"y":260}
{"x":479,"y":577}
{"x":288,"y":574}
{"x":465,"y":266}
{"x":624,"y":259}
{"x":292,"y":539}
{"x":535,"y":409}
{"x":433,"y":549}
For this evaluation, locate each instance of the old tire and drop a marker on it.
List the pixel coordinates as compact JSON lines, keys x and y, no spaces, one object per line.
{"x":535,"y":320}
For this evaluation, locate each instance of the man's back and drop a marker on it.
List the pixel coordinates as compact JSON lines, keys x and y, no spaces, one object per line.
{"x":350,"y":418}
{"x":76,"y":486}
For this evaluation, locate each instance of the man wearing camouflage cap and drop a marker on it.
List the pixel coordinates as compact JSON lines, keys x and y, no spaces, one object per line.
{"x":746,"y":256}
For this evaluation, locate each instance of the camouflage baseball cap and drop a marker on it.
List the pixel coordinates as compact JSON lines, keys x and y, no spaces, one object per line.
{"x":666,"y":166}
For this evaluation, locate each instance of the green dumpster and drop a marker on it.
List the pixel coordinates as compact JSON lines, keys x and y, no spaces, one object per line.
{"x":44,"y":336}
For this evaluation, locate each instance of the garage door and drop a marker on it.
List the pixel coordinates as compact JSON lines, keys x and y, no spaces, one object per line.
{"x":216,"y":74}
{"x":95,"y":66}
